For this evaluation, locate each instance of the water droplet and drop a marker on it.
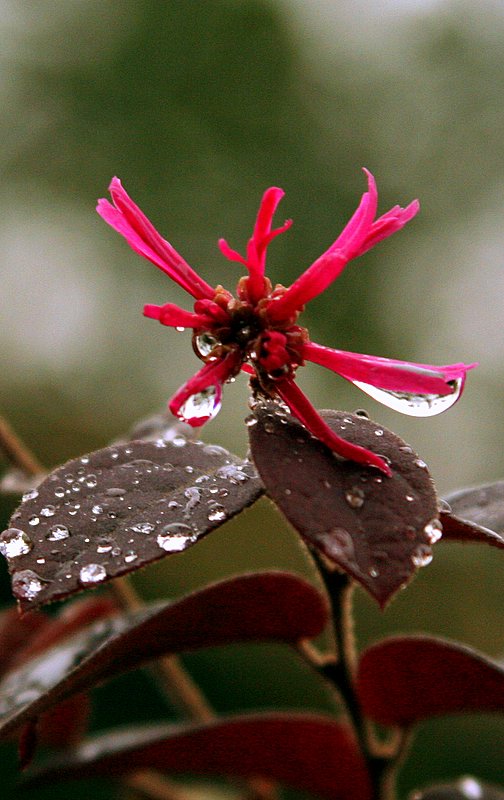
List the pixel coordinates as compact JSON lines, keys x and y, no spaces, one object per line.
{"x":34,"y":520}
{"x":193,"y":495}
{"x":232,"y":473}
{"x":41,"y":560}
{"x":26,"y":584}
{"x":215,"y":450}
{"x":143,"y":527}
{"x":470,"y":788}
{"x":217,"y":513}
{"x":204,"y":343}
{"x":92,"y":573}
{"x":84,"y":460}
{"x":15,"y":542}
{"x":69,"y":477}
{"x":179,"y":441}
{"x":91,"y":481}
{"x":57,"y":533}
{"x":104,"y":545}
{"x":420,"y":463}
{"x":130,"y":556}
{"x":269,"y":427}
{"x":115,"y":491}
{"x":30,"y":495}
{"x":443,"y":505}
{"x":180,"y":329}
{"x":250,"y":422}
{"x":173,"y":504}
{"x":355,"y":497}
{"x":373,"y":572}
{"x":114,"y":454}
{"x":59,"y":491}
{"x":288,"y":492}
{"x":202,"y":406}
{"x":415,"y":405}
{"x":175,"y":537}
{"x":361,"y":412}
{"x":189,"y":470}
{"x":378,"y":432}
{"x":422,"y":556}
{"x":202,"y":479}
{"x":409,"y":498}
{"x":433,"y":531}
{"x":97,"y":509}
{"x":47,"y":511}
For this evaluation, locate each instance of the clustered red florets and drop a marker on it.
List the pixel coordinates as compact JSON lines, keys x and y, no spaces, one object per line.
{"x":257,"y":330}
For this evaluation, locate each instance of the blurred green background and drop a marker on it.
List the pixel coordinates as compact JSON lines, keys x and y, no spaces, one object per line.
{"x":198,"y":107}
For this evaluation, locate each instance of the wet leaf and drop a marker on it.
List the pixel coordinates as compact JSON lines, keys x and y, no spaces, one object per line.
{"x":260,"y":607}
{"x":476,"y":515}
{"x":377,"y":529}
{"x":15,"y":632}
{"x":305,"y":751}
{"x":467,"y":788}
{"x":118,"y":509}
{"x":405,"y":679}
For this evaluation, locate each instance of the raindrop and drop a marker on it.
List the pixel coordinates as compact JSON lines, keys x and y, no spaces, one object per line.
{"x":422,"y":556}
{"x":130,"y":556}
{"x":288,"y":492}
{"x":115,"y":491}
{"x":59,"y":491}
{"x":410,"y":403}
{"x":175,"y":537}
{"x":97,"y":509}
{"x":250,"y":422}
{"x":91,"y":481}
{"x":15,"y":542}
{"x":420,"y":463}
{"x":378,"y":432}
{"x":443,"y":505}
{"x":34,"y":520}
{"x":104,"y":545}
{"x":213,"y":489}
{"x":269,"y":427}
{"x":92,"y":573}
{"x":433,"y":531}
{"x":373,"y":572}
{"x":84,"y":460}
{"x":30,"y":495}
{"x":217,"y":513}
{"x":114,"y":454}
{"x":179,"y":441}
{"x":202,"y":479}
{"x":143,"y":527}
{"x":409,"y":498}
{"x":355,"y":497}
{"x":470,"y":788}
{"x":26,"y":584}
{"x":193,"y":495}
{"x":57,"y":533}
{"x":69,"y":477}
{"x":189,"y":470}
{"x":215,"y":450}
{"x":180,"y":329}
{"x":232,"y":473}
{"x":201,"y":406}
{"x":116,"y":551}
{"x":204,"y":343}
{"x":47,"y":511}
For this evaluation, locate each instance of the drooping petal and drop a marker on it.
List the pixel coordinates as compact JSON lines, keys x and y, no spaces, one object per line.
{"x":128,"y":220}
{"x":419,"y":390}
{"x":301,"y":408}
{"x":229,"y":253}
{"x":175,"y":317}
{"x":358,"y":236}
{"x":199,"y":399}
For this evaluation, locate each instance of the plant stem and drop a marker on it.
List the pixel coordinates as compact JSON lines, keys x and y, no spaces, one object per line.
{"x":17,"y":452}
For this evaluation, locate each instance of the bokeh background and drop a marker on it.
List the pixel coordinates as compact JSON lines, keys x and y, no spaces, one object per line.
{"x":199,"y":106}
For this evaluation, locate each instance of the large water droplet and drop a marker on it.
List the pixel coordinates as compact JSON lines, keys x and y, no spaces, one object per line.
{"x":92,"y":573}
{"x":201,"y":407}
{"x":422,"y":556}
{"x":47,"y":511}
{"x":217,"y":513}
{"x":415,"y":405}
{"x":26,"y":584}
{"x":204,"y":343}
{"x":175,"y":537}
{"x":15,"y":542}
{"x":58,"y":532}
{"x":30,"y":495}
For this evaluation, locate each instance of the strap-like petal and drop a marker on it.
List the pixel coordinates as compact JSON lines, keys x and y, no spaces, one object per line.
{"x":175,"y":317}
{"x":212,"y":375}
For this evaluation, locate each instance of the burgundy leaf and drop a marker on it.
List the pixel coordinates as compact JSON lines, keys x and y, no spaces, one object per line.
{"x":377,"y":529}
{"x":270,"y":606}
{"x":305,"y":751}
{"x":467,"y":788}
{"x":405,"y":679}
{"x":118,"y":509}
{"x":476,"y":515}
{"x":15,"y":632}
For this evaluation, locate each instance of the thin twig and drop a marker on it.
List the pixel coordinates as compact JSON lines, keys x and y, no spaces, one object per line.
{"x":17,"y":452}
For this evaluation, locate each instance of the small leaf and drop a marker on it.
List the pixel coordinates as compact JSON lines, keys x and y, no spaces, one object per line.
{"x":467,"y":788}
{"x":118,"y":509}
{"x":304,"y":751}
{"x":476,"y":515}
{"x":270,"y":606}
{"x":377,"y":529}
{"x":405,"y":679}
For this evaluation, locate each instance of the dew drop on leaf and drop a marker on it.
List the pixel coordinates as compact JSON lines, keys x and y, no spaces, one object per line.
{"x":91,"y":574}
{"x":415,"y":405}
{"x":355,"y":497}
{"x":57,"y":533}
{"x":175,"y":537}
{"x":15,"y":542}
{"x":30,"y":495}
{"x":433,"y":531}
{"x":217,"y":513}
{"x":26,"y":584}
{"x":422,"y":556}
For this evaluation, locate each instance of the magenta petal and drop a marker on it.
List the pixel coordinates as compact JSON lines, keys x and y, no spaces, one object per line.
{"x":128,"y":220}
{"x":301,"y":408}
{"x":199,"y":399}
{"x":175,"y":317}
{"x":262,"y":228}
{"x":229,"y":253}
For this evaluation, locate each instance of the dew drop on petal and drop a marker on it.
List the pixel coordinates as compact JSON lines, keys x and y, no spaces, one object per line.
{"x":412,"y":404}
{"x":15,"y":542}
{"x":204,"y":343}
{"x":175,"y":537}
{"x":26,"y":584}
{"x":91,"y":574}
{"x":202,"y":406}
{"x":57,"y":533}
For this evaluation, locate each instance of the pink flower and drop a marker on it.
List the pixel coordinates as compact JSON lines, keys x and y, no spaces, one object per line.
{"x":257,"y":331}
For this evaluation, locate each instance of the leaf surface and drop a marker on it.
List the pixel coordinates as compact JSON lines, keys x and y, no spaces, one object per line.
{"x":305,"y":751}
{"x":118,"y":509}
{"x":476,"y":515}
{"x":402,"y":680}
{"x":467,"y":788}
{"x":270,"y":606}
{"x":377,"y":529}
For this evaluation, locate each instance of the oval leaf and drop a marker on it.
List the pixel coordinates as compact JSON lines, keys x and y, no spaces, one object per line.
{"x":377,"y":529}
{"x":260,"y":607}
{"x":402,"y":680}
{"x":476,"y":515}
{"x":305,"y":751}
{"x":467,"y":788}
{"x":118,"y":509}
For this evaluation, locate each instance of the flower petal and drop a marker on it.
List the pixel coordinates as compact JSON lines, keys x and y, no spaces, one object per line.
{"x":175,"y":317}
{"x":128,"y":220}
{"x":419,"y":390}
{"x":301,"y":408}
{"x":204,"y":390}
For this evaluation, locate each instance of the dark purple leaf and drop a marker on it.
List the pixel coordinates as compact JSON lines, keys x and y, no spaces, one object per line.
{"x":270,"y":606}
{"x":377,"y":529}
{"x":475,"y":515}
{"x":305,"y":751}
{"x":118,"y":509}
{"x":405,"y":679}
{"x":467,"y":788}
